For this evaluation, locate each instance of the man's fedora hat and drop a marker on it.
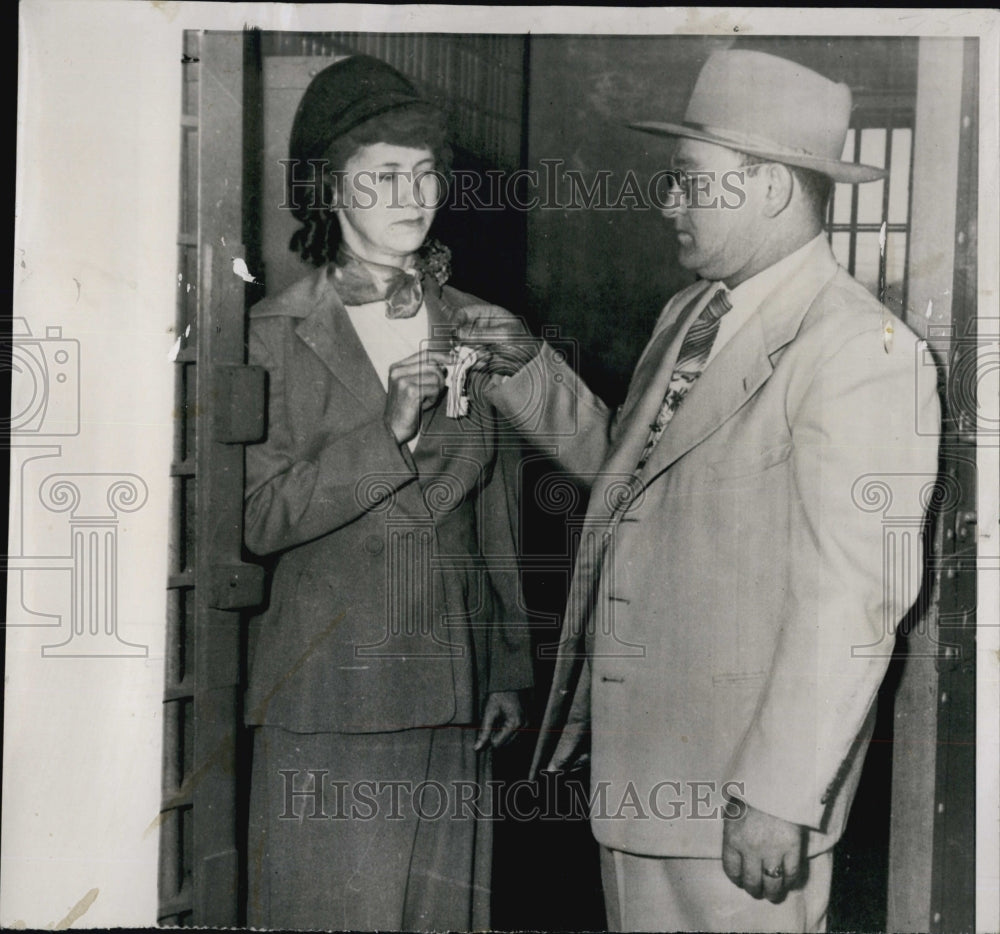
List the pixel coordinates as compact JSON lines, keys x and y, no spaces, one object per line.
{"x":772,"y":108}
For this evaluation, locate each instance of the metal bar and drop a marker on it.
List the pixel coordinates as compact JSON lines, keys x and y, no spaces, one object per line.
{"x":909,"y":206}
{"x":873,"y":228}
{"x":918,"y":703}
{"x":953,"y":892}
{"x":852,"y":248}
{"x":883,"y":259}
{"x":219,"y":469}
{"x":183,"y":468}
{"x":174,"y":895}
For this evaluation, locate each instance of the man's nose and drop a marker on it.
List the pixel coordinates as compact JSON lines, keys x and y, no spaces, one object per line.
{"x":674,"y":205}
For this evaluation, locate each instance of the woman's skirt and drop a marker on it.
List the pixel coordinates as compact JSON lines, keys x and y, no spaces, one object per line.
{"x":364,"y":832}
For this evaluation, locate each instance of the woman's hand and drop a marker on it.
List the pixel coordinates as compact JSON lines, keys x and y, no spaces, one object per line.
{"x":502,"y":718}
{"x":415,"y":384}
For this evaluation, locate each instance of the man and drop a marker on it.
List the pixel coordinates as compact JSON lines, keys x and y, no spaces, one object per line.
{"x":731,"y":612}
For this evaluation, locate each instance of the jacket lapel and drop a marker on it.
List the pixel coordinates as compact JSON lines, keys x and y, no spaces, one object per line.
{"x":649,"y":383}
{"x":739,"y":370}
{"x":663,"y":347}
{"x":744,"y":364}
{"x":327,"y":331}
{"x":436,"y":424}
{"x":453,"y":451}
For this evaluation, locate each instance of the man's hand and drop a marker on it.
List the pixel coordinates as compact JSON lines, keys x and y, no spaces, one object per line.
{"x":572,"y":752}
{"x":481,"y":322}
{"x":761,"y":853}
{"x":415,"y":384}
{"x":504,"y":343}
{"x":503,"y":717}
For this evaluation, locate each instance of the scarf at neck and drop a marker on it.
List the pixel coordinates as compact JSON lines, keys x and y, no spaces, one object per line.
{"x":360,"y":281}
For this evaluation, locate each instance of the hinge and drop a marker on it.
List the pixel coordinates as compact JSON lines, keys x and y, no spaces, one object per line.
{"x":965,"y":526}
{"x":239,"y":403}
{"x":234,"y":586}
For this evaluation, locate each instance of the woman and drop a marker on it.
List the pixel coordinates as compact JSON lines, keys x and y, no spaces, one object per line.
{"x":393,"y":627}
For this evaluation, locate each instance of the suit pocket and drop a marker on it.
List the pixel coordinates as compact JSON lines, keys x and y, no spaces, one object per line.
{"x":747,"y":465}
{"x":751,"y":680}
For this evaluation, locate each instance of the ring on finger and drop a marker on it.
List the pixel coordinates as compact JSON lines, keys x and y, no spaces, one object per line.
{"x":776,"y":873}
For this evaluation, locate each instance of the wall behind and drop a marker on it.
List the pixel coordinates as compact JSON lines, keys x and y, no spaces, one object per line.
{"x":603,"y":275}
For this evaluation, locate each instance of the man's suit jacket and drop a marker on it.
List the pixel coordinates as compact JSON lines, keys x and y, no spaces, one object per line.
{"x":740,"y":622}
{"x":394,"y":601}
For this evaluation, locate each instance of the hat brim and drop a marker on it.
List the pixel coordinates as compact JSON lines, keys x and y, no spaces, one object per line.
{"x":852,"y":173}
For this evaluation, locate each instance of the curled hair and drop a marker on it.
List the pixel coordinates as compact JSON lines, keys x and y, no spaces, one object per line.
{"x":418,"y":125}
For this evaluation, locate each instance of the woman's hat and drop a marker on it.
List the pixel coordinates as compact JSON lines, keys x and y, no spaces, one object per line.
{"x":772,"y":108}
{"x":342,"y":97}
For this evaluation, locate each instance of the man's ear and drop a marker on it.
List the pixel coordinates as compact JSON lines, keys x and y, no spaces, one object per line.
{"x":780,"y":185}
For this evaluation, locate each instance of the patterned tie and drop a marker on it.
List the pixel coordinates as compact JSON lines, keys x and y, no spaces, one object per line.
{"x":691,"y":360}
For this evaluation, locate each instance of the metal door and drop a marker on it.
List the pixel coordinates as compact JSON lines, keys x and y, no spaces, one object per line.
{"x":219,"y":406}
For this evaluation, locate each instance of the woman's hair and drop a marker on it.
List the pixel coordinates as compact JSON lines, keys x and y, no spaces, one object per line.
{"x":417,"y":125}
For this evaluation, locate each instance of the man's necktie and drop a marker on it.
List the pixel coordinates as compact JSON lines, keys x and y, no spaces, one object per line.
{"x":691,"y":360}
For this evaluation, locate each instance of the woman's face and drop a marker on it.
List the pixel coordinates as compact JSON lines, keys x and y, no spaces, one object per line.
{"x":387,"y":201}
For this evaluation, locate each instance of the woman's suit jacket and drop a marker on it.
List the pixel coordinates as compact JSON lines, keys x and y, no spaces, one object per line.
{"x":741,"y":620}
{"x":395,"y":600}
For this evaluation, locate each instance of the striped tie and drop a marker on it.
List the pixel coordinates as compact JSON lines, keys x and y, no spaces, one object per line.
{"x":691,"y":360}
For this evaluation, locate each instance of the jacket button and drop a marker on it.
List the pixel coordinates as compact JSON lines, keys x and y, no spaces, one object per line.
{"x":374,"y":545}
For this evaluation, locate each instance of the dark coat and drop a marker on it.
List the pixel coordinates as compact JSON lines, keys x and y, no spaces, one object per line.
{"x":395,"y":600}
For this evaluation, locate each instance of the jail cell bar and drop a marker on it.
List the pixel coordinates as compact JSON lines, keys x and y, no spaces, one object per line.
{"x":220,"y":406}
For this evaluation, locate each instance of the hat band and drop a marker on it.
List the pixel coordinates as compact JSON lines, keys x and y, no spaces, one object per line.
{"x":748,"y":140}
